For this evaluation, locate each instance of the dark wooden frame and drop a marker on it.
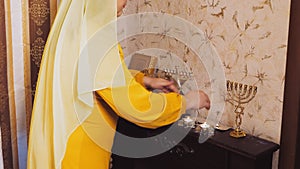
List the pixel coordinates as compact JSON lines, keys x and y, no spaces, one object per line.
{"x":289,"y":157}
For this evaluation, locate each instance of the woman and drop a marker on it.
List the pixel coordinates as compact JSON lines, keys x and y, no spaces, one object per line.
{"x":70,"y":128}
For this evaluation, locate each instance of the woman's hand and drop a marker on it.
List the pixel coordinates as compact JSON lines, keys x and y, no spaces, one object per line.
{"x":197,"y":99}
{"x":162,"y":84}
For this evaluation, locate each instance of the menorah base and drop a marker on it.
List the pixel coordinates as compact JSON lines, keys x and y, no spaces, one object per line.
{"x":237,"y":133}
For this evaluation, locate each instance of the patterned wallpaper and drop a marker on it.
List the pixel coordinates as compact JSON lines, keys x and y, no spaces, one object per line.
{"x":250,"y":38}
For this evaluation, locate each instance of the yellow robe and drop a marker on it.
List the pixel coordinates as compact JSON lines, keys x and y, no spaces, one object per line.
{"x":68,"y":128}
{"x":82,"y":152}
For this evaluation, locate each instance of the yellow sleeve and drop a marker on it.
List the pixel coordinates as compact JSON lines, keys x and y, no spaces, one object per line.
{"x":138,"y":75}
{"x":142,"y":107}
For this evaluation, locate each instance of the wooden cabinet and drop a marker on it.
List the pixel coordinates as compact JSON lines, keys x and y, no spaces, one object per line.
{"x":225,"y":152}
{"x":219,"y":152}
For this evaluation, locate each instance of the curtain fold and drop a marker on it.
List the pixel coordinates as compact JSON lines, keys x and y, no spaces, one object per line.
{"x":6,"y":145}
{"x":24,"y":28}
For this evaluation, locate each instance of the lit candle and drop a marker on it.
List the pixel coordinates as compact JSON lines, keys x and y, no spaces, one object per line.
{"x":188,"y":121}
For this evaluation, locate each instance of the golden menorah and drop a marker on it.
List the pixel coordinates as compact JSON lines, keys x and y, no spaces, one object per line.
{"x":238,"y":95}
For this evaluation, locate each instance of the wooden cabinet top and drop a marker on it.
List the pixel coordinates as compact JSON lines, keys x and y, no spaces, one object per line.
{"x":250,"y":146}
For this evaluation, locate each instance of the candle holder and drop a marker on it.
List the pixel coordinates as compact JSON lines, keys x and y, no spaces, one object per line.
{"x":239,"y":95}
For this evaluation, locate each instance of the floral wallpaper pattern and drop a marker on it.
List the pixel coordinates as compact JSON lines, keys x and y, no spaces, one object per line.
{"x":250,"y":38}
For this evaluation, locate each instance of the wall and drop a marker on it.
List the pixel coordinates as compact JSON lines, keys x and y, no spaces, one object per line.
{"x":250,"y":37}
{"x":251,"y":40}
